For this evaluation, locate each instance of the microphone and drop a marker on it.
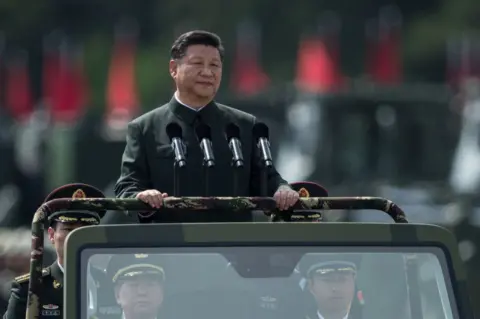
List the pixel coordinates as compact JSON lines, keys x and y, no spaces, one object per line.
{"x":204,"y":136}
{"x":174,"y":132}
{"x":260,"y":133}
{"x":232,"y":134}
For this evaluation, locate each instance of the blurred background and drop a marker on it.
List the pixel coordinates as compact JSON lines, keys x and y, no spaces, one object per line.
{"x":371,"y":97}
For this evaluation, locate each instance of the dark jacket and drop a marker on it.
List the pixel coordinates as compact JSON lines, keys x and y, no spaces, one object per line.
{"x":51,"y":299}
{"x":148,"y":159}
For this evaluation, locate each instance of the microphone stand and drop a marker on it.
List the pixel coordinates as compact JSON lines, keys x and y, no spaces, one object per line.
{"x":179,"y":166}
{"x":264,"y":179}
{"x":237,"y":170}
{"x":206,"y":171}
{"x":177,"y":177}
{"x":266,"y":164}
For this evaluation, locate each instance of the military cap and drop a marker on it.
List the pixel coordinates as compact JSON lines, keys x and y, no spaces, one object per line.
{"x":309,"y":189}
{"x":123,"y":267}
{"x":324,"y":264}
{"x":72,"y":191}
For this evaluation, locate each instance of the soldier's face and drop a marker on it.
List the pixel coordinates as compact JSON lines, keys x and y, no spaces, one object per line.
{"x":333,"y":292}
{"x":199,"y":72}
{"x":58,"y":234}
{"x":141,"y":295}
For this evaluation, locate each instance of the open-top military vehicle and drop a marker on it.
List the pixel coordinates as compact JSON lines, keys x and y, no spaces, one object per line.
{"x":256,"y":270}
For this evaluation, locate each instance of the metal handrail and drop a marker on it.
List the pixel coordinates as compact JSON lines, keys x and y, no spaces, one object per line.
{"x":303,"y":207}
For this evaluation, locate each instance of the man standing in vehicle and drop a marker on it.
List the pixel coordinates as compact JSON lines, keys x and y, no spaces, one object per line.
{"x":61,"y":224}
{"x":196,"y":66}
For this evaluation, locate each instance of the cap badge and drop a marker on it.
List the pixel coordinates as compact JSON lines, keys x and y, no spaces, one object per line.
{"x":303,"y":192}
{"x":79,"y":194}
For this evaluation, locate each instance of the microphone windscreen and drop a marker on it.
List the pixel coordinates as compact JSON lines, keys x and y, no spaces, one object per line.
{"x":203,"y":131}
{"x":232,"y":131}
{"x":174,"y":130}
{"x":260,"y":130}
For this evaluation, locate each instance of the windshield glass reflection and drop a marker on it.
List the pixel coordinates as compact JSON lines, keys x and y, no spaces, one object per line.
{"x":265,"y":282}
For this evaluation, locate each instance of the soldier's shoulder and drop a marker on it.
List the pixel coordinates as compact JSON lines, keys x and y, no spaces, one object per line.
{"x":22,"y":279}
{"x":236,"y":113}
{"x":25,"y":278}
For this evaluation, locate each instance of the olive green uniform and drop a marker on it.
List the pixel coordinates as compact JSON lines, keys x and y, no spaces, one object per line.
{"x":51,"y":297}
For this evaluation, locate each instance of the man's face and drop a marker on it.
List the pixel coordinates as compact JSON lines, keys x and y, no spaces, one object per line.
{"x":59,"y":232}
{"x":142,"y":295}
{"x":334,"y":291}
{"x":199,"y":72}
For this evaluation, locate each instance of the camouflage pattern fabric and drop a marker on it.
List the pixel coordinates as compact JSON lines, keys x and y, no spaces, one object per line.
{"x":267,"y":204}
{"x":305,"y":190}
{"x":76,"y":191}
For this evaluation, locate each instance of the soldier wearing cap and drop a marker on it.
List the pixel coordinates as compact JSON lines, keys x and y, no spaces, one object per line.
{"x":331,"y":280}
{"x":309,"y":189}
{"x":138,"y":285}
{"x":61,"y":224}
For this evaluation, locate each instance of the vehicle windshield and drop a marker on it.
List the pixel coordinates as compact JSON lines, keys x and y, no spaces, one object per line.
{"x":266,"y":282}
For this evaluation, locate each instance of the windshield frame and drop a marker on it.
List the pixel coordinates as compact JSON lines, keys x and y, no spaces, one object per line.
{"x":265,"y":234}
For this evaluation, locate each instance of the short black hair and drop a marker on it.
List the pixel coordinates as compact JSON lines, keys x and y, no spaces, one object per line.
{"x":180,"y":46}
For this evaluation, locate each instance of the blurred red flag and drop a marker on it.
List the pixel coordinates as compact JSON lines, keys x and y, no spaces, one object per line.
{"x":318,"y":58}
{"x":122,"y":99}
{"x":65,"y":87}
{"x":384,"y":49}
{"x":51,"y":70}
{"x":18,"y":95}
{"x":248,"y":78}
{"x":316,"y":72}
{"x":463,"y":59}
